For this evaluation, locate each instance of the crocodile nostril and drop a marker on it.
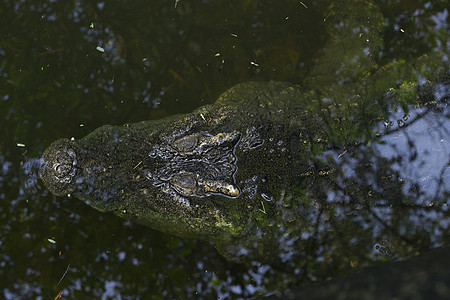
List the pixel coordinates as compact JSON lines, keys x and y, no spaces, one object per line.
{"x":65,"y":166}
{"x":62,"y":170}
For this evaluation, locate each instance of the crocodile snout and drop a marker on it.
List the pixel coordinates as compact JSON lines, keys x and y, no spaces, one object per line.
{"x":59,"y":167}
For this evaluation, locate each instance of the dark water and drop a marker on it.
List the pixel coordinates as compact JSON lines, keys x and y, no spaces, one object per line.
{"x":68,"y":67}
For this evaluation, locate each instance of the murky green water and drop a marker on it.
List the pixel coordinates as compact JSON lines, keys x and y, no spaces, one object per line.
{"x":67,"y":67}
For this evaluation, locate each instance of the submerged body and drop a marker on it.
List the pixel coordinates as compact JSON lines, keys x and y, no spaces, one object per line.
{"x":248,"y":173}
{"x":229,"y":172}
{"x":197,"y":175}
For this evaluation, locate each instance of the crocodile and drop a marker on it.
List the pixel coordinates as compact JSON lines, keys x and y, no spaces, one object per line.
{"x":243,"y":172}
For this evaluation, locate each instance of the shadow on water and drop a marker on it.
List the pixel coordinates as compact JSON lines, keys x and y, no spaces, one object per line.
{"x":69,"y":67}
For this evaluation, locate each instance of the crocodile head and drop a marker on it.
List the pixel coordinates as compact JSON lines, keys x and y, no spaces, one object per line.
{"x":177,"y":181}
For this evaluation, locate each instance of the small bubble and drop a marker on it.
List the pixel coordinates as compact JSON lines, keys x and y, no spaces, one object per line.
{"x":388,"y":124}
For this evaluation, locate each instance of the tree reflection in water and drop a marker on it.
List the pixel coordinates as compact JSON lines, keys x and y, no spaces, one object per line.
{"x":379,"y":199}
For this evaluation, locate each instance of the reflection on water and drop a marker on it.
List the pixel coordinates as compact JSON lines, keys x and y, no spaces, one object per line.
{"x":420,"y":153}
{"x":70,"y":67}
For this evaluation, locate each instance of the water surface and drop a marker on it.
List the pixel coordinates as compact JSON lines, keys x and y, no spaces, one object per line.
{"x":68,"y":67}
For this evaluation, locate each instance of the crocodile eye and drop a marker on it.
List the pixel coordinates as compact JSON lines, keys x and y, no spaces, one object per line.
{"x":201,"y":165}
{"x":185,"y":143}
{"x":184,"y":183}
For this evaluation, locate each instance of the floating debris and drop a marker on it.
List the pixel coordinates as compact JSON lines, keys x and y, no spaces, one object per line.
{"x":58,"y":296}
{"x":67,"y":269}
